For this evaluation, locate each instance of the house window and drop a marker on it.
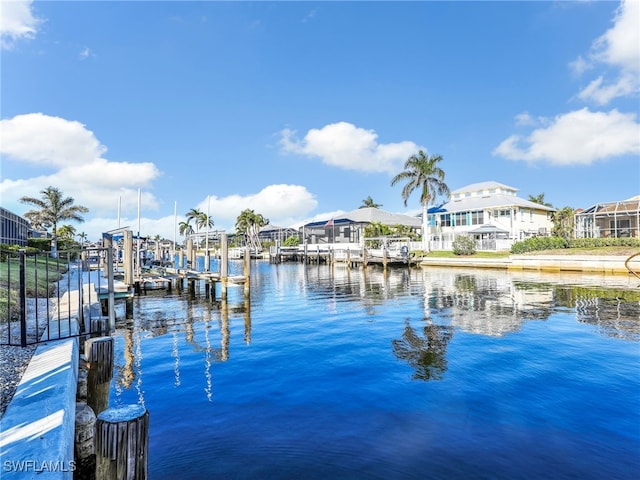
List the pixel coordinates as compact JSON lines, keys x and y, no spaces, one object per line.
{"x":445,"y":220}
{"x":504,"y":213}
{"x":461,"y":218}
{"x":477,"y":218}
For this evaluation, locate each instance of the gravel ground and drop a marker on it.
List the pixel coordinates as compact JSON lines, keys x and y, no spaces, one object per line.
{"x":14,"y":360}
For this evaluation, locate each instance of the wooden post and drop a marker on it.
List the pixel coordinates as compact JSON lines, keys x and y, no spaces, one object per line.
{"x":180,"y":259}
{"x":127,"y":257}
{"x":224,"y":266}
{"x":84,"y":444}
{"x":190,"y":254}
{"x":122,"y":443}
{"x":99,"y":356}
{"x":247,"y":273}
{"x":128,"y":307}
{"x":384,"y":257}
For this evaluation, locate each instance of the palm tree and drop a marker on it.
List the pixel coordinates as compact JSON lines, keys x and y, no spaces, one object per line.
{"x":539,"y":199}
{"x":422,"y":172}
{"x":204,"y":221}
{"x":369,"y":203}
{"x":67,"y":232}
{"x":249,"y":223}
{"x":195,"y":215}
{"x":83,"y":238}
{"x":185,"y":228}
{"x":52,"y":208}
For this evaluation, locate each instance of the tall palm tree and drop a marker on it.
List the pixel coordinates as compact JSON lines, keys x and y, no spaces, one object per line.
{"x":194,"y":215}
{"x":369,"y":203}
{"x":53,"y":207}
{"x":423,"y":173}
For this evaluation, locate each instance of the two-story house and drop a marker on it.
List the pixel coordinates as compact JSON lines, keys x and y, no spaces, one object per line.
{"x":488,"y":211}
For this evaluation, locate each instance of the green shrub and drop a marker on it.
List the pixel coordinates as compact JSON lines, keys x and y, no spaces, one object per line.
{"x":464,"y":245}
{"x":604,"y":242}
{"x":539,"y":243}
{"x":291,"y":242}
{"x":41,"y":244}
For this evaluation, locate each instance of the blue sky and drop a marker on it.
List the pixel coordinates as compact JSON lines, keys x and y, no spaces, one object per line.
{"x":300,"y":110}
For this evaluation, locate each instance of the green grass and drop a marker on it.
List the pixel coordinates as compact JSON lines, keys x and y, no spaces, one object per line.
{"x":611,"y":250}
{"x":40,"y":279}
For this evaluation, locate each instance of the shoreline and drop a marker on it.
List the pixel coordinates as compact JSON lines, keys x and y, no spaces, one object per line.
{"x":602,"y":264}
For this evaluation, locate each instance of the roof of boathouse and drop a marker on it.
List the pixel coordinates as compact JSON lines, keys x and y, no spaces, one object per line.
{"x":369,"y":215}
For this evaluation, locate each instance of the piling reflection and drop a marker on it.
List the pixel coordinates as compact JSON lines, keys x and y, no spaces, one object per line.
{"x":195,"y":321}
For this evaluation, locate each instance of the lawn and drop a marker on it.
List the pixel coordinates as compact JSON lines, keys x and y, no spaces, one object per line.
{"x":41,"y":274}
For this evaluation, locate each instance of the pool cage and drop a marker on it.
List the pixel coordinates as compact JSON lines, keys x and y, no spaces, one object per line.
{"x":612,"y":219}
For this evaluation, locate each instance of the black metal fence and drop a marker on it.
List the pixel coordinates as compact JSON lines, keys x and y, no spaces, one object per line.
{"x":43,"y":298}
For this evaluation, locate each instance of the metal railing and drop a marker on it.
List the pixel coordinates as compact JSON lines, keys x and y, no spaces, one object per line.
{"x":44,"y":298}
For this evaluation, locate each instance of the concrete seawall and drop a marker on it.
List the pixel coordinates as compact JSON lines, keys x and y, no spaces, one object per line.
{"x":609,"y":265}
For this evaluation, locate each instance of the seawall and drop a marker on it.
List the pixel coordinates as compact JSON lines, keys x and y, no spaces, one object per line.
{"x":609,"y":265}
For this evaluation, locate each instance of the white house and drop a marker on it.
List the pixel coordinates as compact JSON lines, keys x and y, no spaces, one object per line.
{"x":492,"y":213}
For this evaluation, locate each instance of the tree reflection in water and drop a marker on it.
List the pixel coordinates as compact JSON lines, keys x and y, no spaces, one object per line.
{"x":427,"y":355}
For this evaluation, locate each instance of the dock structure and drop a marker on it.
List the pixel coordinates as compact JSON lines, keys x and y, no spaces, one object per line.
{"x":350,"y":255}
{"x":166,"y":278}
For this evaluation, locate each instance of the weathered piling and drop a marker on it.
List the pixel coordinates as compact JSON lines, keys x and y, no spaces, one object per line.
{"x":127,"y":257}
{"x":122,"y":443}
{"x":224,"y":267}
{"x":84,"y":444}
{"x":99,"y":358}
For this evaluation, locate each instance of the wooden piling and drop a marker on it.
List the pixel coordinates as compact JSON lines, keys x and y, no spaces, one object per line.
{"x":190,"y":253}
{"x":127,"y":257}
{"x":224,"y":267}
{"x":99,"y":356}
{"x":122,"y":443}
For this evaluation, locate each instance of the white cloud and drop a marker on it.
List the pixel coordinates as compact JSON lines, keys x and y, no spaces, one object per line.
{"x":580,"y":137}
{"x":17,"y":22}
{"x":76,"y":164}
{"x":346,"y":146}
{"x":48,"y":141}
{"x":86,"y":53}
{"x":279,"y":203}
{"x":580,"y":65}
{"x":618,"y":47}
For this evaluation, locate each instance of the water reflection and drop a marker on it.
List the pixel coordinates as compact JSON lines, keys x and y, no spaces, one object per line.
{"x":482,"y":302}
{"x":193,"y":319}
{"x":426,"y":354}
{"x":496,"y":303}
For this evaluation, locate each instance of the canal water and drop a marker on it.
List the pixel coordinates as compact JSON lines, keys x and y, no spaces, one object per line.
{"x":329,"y":373}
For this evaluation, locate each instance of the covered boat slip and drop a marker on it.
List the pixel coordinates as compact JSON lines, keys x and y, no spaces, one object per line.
{"x":380,"y":251}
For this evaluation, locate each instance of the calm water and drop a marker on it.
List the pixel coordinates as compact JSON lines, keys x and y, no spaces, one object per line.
{"x":441,"y":373}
